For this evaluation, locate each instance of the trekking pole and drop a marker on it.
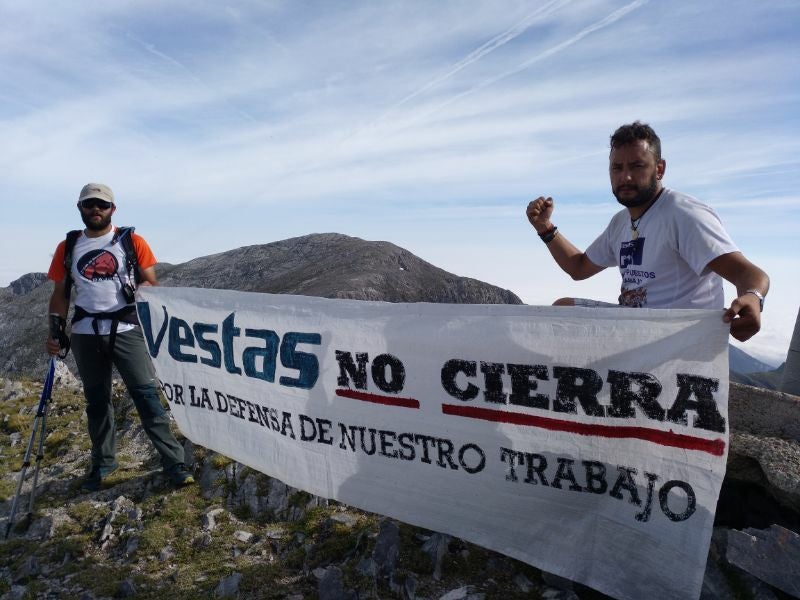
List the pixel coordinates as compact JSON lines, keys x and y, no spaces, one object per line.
{"x":42,"y":435}
{"x":41,"y":417}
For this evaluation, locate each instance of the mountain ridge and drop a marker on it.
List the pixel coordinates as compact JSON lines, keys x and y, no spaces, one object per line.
{"x":329,"y":265}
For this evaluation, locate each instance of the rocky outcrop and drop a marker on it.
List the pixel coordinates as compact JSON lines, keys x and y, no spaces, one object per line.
{"x":332,"y":265}
{"x":27,"y":283}
{"x":764,"y":457}
{"x":23,"y":329}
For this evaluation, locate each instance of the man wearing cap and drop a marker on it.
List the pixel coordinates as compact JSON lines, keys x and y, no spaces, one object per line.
{"x":105,"y":331}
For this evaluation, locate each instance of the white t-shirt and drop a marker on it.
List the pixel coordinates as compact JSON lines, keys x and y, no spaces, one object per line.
{"x":98,"y":270}
{"x":667,"y":265}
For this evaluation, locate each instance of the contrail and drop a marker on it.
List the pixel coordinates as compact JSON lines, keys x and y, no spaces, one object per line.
{"x":496,"y":42}
{"x":167,"y":58}
{"x":602,"y":23}
{"x":475,"y":55}
{"x":493,"y":44}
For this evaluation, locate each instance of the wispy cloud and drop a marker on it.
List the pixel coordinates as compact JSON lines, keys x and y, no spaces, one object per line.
{"x":493,"y":44}
{"x":602,"y":23}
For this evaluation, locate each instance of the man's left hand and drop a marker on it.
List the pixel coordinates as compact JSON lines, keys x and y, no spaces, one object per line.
{"x":744,"y":315}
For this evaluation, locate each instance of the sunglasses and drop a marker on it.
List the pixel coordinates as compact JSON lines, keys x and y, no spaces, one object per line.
{"x":91,"y":203}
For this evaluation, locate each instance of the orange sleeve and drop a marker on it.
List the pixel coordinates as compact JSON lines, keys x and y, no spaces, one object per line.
{"x":57,"y":272}
{"x":143,"y":253}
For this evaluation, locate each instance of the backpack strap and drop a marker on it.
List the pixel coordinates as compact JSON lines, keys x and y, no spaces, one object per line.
{"x":124,"y":235}
{"x":126,"y":314}
{"x":69,"y":246}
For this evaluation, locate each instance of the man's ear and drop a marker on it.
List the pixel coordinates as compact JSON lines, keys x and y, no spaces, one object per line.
{"x":661,"y":167}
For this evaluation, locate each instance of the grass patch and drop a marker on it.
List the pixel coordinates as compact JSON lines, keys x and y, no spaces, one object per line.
{"x":7,"y":489}
{"x":66,"y":544}
{"x":54,"y":442}
{"x":333,"y":547}
{"x":14,"y":549}
{"x":17,"y":423}
{"x":312,"y":518}
{"x":412,"y":557}
{"x":220,"y":461}
{"x":156,"y":536}
{"x":87,"y":515}
{"x":103,"y":579}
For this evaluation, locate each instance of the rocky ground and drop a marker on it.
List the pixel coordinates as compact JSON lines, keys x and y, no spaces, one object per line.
{"x":239,"y":533}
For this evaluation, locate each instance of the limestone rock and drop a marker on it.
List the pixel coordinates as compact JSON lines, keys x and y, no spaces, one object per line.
{"x":126,"y":589}
{"x":387,"y":548}
{"x":331,"y":586}
{"x":27,"y":283}
{"x":772,"y":555}
{"x":436,"y":547}
{"x":765,"y":443}
{"x":228,"y":587}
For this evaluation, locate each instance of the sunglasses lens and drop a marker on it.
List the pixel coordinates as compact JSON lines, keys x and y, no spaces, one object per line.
{"x":95,"y":203}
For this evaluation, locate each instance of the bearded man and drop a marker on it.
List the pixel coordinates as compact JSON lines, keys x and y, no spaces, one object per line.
{"x":672,"y":250}
{"x":105,"y":264}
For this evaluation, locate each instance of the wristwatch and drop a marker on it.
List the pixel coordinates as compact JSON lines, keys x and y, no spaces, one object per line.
{"x":760,"y":297}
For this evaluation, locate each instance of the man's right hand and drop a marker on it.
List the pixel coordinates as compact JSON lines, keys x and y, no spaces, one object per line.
{"x":539,"y":212}
{"x":58,"y":339}
{"x":53,"y":347}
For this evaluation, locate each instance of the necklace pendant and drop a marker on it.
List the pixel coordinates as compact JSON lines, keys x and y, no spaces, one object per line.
{"x":634,"y":234}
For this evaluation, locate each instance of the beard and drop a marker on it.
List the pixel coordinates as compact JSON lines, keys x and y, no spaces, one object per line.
{"x":643,"y":195}
{"x":104,"y":221}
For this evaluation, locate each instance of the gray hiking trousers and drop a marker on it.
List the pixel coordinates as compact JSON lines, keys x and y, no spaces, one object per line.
{"x":131,"y":359}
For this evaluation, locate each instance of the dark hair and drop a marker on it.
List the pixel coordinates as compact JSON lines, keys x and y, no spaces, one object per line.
{"x":628,"y":134}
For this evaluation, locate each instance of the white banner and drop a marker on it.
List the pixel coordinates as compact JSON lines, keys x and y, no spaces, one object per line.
{"x":590,"y":443}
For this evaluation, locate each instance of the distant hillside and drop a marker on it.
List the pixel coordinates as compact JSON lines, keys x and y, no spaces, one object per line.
{"x":329,"y":265}
{"x":768,"y":380}
{"x":741,"y":362}
{"x":749,"y":370}
{"x":332,"y":265}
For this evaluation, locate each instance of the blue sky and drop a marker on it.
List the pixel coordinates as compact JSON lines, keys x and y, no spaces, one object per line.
{"x":427,"y":124}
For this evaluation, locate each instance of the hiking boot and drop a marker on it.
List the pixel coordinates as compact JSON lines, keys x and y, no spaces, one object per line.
{"x":94,"y":479}
{"x":179,"y":475}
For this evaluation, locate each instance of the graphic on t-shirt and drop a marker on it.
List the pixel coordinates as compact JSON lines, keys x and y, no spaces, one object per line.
{"x":634,"y":298}
{"x":630,"y":253}
{"x":98,"y":265}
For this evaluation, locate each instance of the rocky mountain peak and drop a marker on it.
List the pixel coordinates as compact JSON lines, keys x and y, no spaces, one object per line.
{"x":27,"y":283}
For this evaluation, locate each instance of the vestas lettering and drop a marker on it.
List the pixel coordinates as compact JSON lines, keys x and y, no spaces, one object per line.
{"x":215,"y":343}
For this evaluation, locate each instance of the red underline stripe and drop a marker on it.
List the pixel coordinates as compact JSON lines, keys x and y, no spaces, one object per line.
{"x":388,"y":400}
{"x":664,"y":438}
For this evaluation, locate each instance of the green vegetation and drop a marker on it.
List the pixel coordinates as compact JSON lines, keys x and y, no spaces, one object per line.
{"x":163,"y":549}
{"x":16,"y":423}
{"x":220,"y":461}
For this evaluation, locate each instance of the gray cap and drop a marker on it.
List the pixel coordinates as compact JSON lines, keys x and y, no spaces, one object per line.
{"x":97,"y":190}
